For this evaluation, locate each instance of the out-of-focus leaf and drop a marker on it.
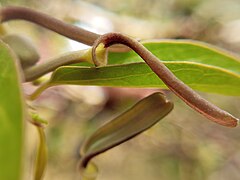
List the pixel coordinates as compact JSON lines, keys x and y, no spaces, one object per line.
{"x":137,"y":119}
{"x":41,"y":158}
{"x":23,"y":48}
{"x":11,"y":117}
{"x":201,"y":66}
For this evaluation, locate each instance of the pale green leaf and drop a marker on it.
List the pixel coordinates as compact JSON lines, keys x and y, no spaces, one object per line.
{"x":11,"y":117}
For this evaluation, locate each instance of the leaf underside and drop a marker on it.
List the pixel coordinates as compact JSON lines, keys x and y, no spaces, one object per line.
{"x":201,"y":66}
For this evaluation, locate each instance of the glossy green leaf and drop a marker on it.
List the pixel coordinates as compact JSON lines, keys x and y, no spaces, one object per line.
{"x":200,"y":77}
{"x":183,"y":50}
{"x":202,"y":67}
{"x":11,"y":117}
{"x":137,"y":119}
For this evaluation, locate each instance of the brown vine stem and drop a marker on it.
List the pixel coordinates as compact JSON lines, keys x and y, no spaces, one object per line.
{"x":189,"y":96}
{"x":60,"y":27}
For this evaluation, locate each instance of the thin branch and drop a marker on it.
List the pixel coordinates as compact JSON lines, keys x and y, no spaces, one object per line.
{"x":39,"y":70}
{"x":73,"y":32}
{"x":183,"y":91}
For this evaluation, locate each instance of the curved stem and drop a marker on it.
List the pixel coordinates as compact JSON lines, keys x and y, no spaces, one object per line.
{"x":37,"y":71}
{"x":41,"y":156}
{"x":60,"y":27}
{"x":38,"y":91}
{"x":189,"y":96}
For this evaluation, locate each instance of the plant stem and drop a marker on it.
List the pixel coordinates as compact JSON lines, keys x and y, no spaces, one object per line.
{"x":38,"y":91}
{"x":183,"y":91}
{"x":41,"y":156}
{"x":60,"y":27}
{"x":37,"y":71}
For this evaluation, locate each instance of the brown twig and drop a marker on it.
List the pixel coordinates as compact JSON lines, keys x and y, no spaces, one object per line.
{"x":60,"y":27}
{"x":183,"y":91}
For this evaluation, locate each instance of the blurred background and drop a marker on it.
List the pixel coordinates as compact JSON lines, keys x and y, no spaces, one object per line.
{"x":184,"y":145}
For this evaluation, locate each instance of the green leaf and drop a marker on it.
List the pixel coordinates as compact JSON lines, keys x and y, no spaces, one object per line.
{"x":183,"y":50}
{"x":200,"y":77}
{"x":201,"y":66}
{"x":11,"y":117}
{"x":137,"y":119}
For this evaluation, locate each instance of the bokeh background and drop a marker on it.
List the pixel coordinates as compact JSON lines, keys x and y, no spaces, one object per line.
{"x":184,"y":145}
